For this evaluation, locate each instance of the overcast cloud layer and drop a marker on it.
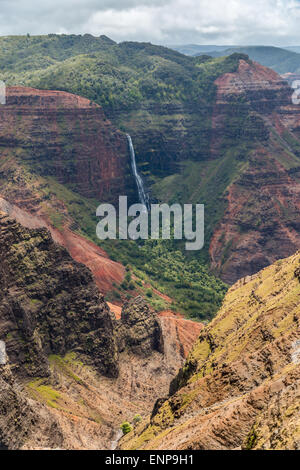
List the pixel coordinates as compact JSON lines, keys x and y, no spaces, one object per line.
{"x":271,"y":22}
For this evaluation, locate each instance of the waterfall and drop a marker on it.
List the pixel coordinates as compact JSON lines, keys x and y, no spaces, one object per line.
{"x":143,"y":197}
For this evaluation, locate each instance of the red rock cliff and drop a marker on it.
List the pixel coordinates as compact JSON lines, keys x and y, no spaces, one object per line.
{"x":68,"y":137}
{"x":262,"y":217}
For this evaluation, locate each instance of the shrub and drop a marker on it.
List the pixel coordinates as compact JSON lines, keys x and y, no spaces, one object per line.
{"x":131,"y":285}
{"x":137,"y":419}
{"x":149,"y":293}
{"x":126,"y":427}
{"x":124,"y":285}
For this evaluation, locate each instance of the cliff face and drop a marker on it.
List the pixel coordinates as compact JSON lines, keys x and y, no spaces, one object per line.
{"x":20,"y":417}
{"x":67,"y":137}
{"x":181,"y":332}
{"x":140,"y":329}
{"x":165,"y":134}
{"x":49,"y":304}
{"x":261,"y":217}
{"x":240,"y":386}
{"x":55,"y":142}
{"x":238,"y":152}
{"x":106,"y":272}
{"x":70,"y":373}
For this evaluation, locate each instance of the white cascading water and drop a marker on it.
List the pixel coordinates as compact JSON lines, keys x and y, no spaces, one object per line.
{"x":143,"y":197}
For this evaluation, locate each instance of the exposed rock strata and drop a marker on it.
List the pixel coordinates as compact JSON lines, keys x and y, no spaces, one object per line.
{"x":67,"y":137}
{"x":49,"y":304}
{"x":240,"y":386}
{"x":20,"y":417}
{"x":106,"y":272}
{"x":262,"y":215}
{"x":139,"y":328}
{"x":71,"y":373}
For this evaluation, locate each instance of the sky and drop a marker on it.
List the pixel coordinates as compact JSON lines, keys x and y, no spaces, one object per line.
{"x":234,"y":22}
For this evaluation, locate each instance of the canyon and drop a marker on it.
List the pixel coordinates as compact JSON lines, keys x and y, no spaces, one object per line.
{"x":73,"y":366}
{"x":231,"y":122}
{"x":66,"y":380}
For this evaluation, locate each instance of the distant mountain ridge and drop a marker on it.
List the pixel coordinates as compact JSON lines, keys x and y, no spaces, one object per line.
{"x":293,"y":48}
{"x":195,"y":49}
{"x":281,"y":59}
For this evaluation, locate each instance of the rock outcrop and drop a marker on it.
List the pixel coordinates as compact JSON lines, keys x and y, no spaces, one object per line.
{"x":140,"y":329}
{"x":20,"y":418}
{"x":180,"y":332}
{"x":106,"y":272}
{"x":256,"y":123}
{"x":49,"y":304}
{"x":240,"y":386}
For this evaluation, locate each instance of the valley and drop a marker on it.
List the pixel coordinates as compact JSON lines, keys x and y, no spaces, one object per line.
{"x":191,"y":350}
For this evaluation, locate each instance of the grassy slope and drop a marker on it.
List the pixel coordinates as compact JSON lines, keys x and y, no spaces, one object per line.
{"x":256,"y":319}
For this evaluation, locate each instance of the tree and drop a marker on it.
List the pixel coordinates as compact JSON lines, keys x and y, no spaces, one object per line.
{"x":126,"y":427}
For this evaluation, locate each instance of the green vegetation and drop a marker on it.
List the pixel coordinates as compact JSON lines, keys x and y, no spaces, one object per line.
{"x":161,"y":264}
{"x":121,"y":77}
{"x":137,"y":419}
{"x":126,"y":427}
{"x":149,"y":293}
{"x":64,"y":365}
{"x":195,"y":291}
{"x":41,"y":390}
{"x":129,"y":80}
{"x":204,"y":182}
{"x":251,"y":439}
{"x":111,"y":74}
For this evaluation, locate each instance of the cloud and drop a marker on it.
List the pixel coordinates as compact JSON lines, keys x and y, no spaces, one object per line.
{"x":159,"y":21}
